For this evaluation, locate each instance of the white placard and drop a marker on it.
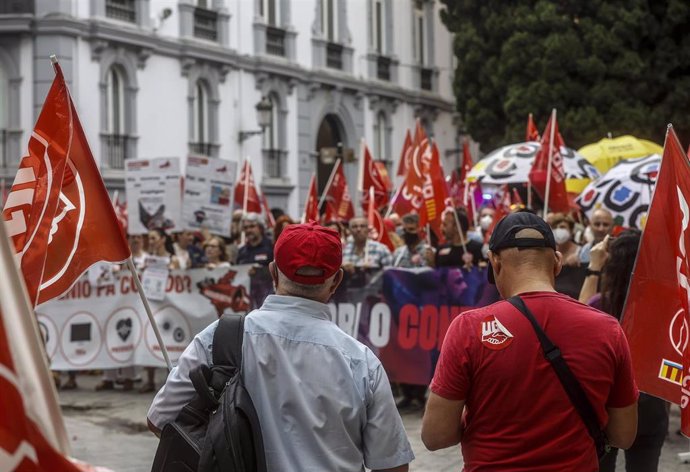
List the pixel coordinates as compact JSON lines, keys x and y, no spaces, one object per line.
{"x":208,"y":193}
{"x":154,"y":197}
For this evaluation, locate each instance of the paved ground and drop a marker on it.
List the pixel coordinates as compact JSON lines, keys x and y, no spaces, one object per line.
{"x":109,"y":429}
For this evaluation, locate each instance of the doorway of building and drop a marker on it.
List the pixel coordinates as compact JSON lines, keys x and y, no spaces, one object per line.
{"x":329,"y":146}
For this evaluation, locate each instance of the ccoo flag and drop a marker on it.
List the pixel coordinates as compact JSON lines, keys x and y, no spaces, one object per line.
{"x":58,"y":213}
{"x":655,"y":317}
{"x":338,"y":202}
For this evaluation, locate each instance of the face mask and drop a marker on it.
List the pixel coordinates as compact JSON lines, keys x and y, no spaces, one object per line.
{"x":561,"y":235}
{"x":410,"y":238}
{"x":485,"y":222}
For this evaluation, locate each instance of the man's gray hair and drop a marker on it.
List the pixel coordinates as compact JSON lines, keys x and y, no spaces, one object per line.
{"x":253,"y":218}
{"x":302,"y":290}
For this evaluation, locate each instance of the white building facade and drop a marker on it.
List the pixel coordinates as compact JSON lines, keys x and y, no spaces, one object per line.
{"x":174,"y":78}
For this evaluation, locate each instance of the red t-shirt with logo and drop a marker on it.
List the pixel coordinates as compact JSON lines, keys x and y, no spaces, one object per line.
{"x":518,"y":417}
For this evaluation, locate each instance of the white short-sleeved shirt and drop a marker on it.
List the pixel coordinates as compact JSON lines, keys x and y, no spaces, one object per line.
{"x":323,"y":398}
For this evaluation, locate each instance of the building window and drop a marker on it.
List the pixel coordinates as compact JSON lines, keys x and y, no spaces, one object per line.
{"x":200,"y":125}
{"x":123,"y":10}
{"x":270,"y":11}
{"x":115,"y":136}
{"x":329,"y":20}
{"x":205,"y":22}
{"x":273,"y":166}
{"x":380,"y":131}
{"x":378,"y":23}
{"x":419,"y":34}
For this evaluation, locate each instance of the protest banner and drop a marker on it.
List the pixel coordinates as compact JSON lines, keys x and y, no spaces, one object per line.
{"x":208,"y":193}
{"x":402,"y":314}
{"x":154,"y":198}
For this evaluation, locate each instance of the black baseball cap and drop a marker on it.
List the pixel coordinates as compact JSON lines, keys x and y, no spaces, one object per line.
{"x":504,"y":233}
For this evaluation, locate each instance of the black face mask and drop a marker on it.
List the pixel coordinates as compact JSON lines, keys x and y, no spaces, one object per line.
{"x":410,"y":239}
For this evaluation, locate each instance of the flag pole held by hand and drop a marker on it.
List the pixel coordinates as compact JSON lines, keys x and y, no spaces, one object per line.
{"x":140,"y":289}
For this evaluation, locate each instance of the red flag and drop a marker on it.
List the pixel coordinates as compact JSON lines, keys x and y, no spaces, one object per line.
{"x":434,"y":193}
{"x":270,"y":221}
{"x":383,"y":172}
{"x":311,"y":206}
{"x":419,"y":133}
{"x":377,"y":230}
{"x":402,"y":164}
{"x":557,"y":198}
{"x":502,"y":205}
{"x":246,"y":195}
{"x":532,"y":131}
{"x":370,"y":176}
{"x":466,"y":165}
{"x":80,"y":228}
{"x":655,"y":318}
{"x":338,"y":202}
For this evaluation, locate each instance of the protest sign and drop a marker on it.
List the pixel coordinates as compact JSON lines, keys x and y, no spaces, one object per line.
{"x":154,"y":198}
{"x":208,"y":192}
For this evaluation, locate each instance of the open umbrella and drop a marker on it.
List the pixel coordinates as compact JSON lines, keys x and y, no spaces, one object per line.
{"x":625,"y":190}
{"x":511,"y":165}
{"x":609,"y":151}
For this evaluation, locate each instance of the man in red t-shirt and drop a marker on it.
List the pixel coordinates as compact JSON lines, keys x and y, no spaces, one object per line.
{"x":496,"y":394}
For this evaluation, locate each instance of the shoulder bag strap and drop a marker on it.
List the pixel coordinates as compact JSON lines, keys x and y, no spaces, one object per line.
{"x":227,"y":341}
{"x":572,"y":386}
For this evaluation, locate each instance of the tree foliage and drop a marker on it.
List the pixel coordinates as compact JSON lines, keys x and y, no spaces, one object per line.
{"x":618,"y":66}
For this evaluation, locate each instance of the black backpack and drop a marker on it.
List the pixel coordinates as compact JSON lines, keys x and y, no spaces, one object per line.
{"x":218,"y":431}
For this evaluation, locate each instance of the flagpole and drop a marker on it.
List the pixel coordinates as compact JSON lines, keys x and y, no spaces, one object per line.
{"x":245,"y":199}
{"x":475,"y":216}
{"x":462,"y":236}
{"x":140,"y":289}
{"x":329,"y":183}
{"x":548,"y":166}
{"x":529,"y":194}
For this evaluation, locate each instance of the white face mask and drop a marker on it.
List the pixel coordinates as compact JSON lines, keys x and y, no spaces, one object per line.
{"x":485,"y":222}
{"x":561,"y":235}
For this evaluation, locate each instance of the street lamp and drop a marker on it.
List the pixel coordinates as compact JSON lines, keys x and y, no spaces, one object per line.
{"x":264,"y":115}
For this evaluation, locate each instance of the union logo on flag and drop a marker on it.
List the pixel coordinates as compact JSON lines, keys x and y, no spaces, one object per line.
{"x":671,"y":371}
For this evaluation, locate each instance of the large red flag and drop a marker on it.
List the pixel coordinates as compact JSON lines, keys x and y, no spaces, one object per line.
{"x":402,"y":164}
{"x":370,"y":176}
{"x":419,"y":133}
{"x":655,"y":318}
{"x":82,"y":228}
{"x":338,"y":202}
{"x":377,"y":230}
{"x":246,"y":195}
{"x":311,"y":205}
{"x":557,"y":198}
{"x":434,"y":193}
{"x":532,"y":133}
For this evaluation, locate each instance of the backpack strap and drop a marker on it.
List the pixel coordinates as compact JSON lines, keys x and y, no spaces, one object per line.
{"x":227,"y":341}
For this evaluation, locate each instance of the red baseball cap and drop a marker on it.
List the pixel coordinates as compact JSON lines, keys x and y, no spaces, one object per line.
{"x":308,"y":245}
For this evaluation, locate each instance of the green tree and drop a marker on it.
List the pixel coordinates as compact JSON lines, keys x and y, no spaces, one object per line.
{"x":618,"y":66}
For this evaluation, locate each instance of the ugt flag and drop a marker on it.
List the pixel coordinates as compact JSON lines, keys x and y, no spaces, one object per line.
{"x":655,"y":318}
{"x":58,"y":212}
{"x":550,"y":151}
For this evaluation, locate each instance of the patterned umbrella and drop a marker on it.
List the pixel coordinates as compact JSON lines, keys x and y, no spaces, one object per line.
{"x":625,"y":190}
{"x":511,"y":165}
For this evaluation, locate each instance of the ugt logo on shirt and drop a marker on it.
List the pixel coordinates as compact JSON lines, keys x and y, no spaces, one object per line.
{"x":494,"y":335}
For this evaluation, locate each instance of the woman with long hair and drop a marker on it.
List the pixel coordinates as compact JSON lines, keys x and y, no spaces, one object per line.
{"x":214,"y":250}
{"x":613,"y":260}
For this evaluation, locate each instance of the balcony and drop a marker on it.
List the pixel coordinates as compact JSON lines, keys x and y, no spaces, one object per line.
{"x":274,"y":167}
{"x":426,"y":79}
{"x":115,"y":147}
{"x":334,"y":56}
{"x":201,"y":149}
{"x":275,"y":41}
{"x":205,"y":24}
{"x":383,"y":68}
{"x":123,"y":10}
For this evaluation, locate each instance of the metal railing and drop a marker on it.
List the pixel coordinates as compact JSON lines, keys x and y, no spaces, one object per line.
{"x":383,"y":68}
{"x":426,"y":76}
{"x":334,"y":56}
{"x":205,"y":24}
{"x":123,"y":10}
{"x":115,"y":151}
{"x":273,"y":163}
{"x":275,"y":41}
{"x":203,"y":149}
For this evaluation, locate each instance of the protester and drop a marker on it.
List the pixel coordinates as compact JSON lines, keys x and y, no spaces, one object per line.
{"x":257,"y":248}
{"x":187,"y":253}
{"x":486,"y":218}
{"x":363,"y":252}
{"x":612,"y":261}
{"x":518,"y":415}
{"x":415,"y":252}
{"x":214,"y":250}
{"x":233,"y":244}
{"x":563,"y":227}
{"x":322,"y":398}
{"x":340,"y":228}
{"x":600,"y":225}
{"x":459,"y":251}
{"x":160,"y":245}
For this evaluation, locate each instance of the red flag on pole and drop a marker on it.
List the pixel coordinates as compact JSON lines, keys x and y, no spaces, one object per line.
{"x":402,"y":164}
{"x":377,"y":230}
{"x":502,"y":205}
{"x":338,"y":202}
{"x":419,"y":133}
{"x":370,"y":176}
{"x":466,"y":165}
{"x":72,"y":223}
{"x":547,"y":175}
{"x":532,"y":131}
{"x":434,"y":193}
{"x":655,"y":318}
{"x":311,"y":205}
{"x":246,"y":195}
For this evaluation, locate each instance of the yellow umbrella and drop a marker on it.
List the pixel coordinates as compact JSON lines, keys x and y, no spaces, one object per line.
{"x":608,"y":152}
